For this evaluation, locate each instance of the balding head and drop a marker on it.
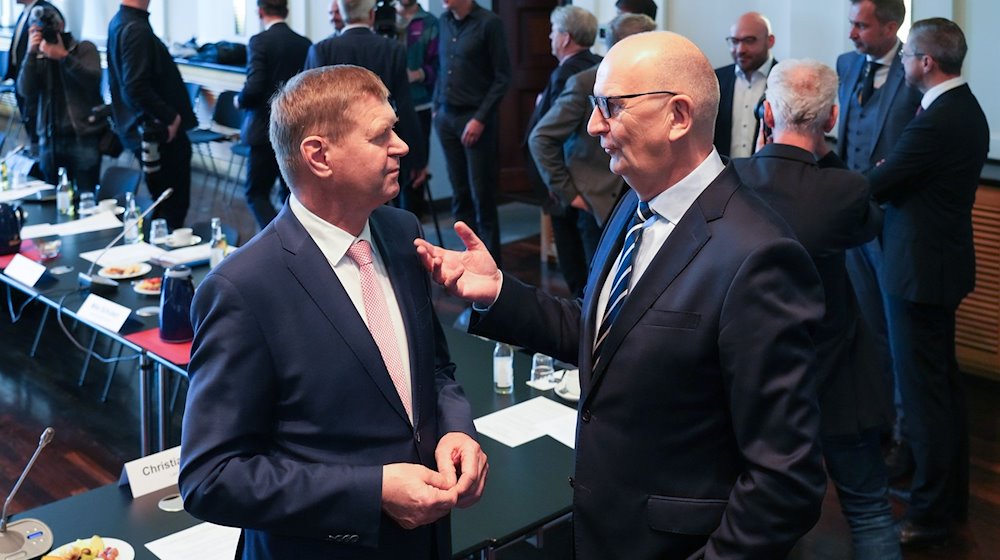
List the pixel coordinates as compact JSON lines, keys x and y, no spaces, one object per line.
{"x":750,"y":41}
{"x":653,"y":138}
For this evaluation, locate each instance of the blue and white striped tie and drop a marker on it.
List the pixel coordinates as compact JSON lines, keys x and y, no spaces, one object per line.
{"x":619,"y":289}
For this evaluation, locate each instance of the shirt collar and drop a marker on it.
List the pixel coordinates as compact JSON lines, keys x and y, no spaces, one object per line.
{"x":356,"y":26}
{"x":887,"y":58}
{"x":332,"y":241}
{"x":932,"y":94}
{"x":273,"y":23}
{"x":764,"y":69}
{"x":674,"y":202}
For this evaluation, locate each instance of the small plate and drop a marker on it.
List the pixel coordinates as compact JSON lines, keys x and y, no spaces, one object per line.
{"x":119,"y":210}
{"x":125,"y":550}
{"x":569,"y":387}
{"x":124,"y":272}
{"x":137,"y":288}
{"x":173,"y":243}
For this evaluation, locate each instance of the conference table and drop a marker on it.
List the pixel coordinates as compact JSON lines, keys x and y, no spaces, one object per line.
{"x":528,"y":486}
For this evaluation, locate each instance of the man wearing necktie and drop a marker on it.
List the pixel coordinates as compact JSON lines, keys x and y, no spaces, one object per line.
{"x":15,"y":58}
{"x":323,"y":415}
{"x":698,"y":416}
{"x":875,"y":106}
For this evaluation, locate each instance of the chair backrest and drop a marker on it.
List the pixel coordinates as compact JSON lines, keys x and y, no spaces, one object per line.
{"x":192,"y":90}
{"x":117,"y":180}
{"x":226,"y":113}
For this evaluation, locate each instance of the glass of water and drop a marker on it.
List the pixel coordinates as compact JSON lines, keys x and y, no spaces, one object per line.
{"x":87,"y":203}
{"x":541,"y":368}
{"x":158,"y":232}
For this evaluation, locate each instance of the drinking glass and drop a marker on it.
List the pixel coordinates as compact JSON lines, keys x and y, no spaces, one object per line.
{"x":158,"y":233}
{"x":541,"y":368}
{"x":87,"y":203}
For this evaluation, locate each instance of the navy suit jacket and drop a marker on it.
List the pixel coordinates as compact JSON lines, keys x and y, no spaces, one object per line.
{"x":291,"y":412}
{"x":897,"y":104}
{"x":929,"y":181}
{"x":680,"y":449}
{"x":360,"y":46}
{"x":724,"y":122}
{"x":275,"y":55}
{"x":830,"y":210}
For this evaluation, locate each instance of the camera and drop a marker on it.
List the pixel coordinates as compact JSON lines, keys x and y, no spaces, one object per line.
{"x":385,"y":18}
{"x":152,"y":133}
{"x":48,"y":20}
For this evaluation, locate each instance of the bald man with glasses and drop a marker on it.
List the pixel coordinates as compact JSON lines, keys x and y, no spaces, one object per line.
{"x":698,"y":419}
{"x":742,"y":84}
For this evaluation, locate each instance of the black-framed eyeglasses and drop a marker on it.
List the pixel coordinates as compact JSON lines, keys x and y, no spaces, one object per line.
{"x":748,"y":41}
{"x":903,"y":54}
{"x":609,"y":105}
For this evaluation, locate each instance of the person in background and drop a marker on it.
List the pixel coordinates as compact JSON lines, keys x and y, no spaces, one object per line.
{"x":275,"y":54}
{"x":419,"y":29}
{"x":61,"y":80}
{"x":358,"y":44}
{"x":928,"y":183}
{"x":15,"y":56}
{"x":830,"y":209}
{"x":147,"y":92}
{"x":323,"y":415}
{"x":875,"y":107}
{"x":697,"y":434}
{"x":475,"y":73}
{"x":646,"y":7}
{"x":742,"y":84}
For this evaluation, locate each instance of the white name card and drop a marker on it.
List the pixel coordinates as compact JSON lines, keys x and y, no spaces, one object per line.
{"x":154,"y":472}
{"x":24,"y":270}
{"x":103,"y":313}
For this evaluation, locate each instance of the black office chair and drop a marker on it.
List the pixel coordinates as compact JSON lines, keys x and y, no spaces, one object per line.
{"x":116,"y":181}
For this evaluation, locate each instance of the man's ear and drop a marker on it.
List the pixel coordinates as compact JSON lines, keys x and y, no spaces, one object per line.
{"x":313,"y":150}
{"x":768,"y":114}
{"x":682,"y":113}
{"x":831,"y":121}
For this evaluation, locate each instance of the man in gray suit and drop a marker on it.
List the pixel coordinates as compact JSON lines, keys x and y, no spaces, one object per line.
{"x":573,"y":165}
{"x":875,"y":107}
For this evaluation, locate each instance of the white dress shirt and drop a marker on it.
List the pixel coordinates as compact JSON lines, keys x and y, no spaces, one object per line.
{"x":333,"y":242}
{"x":747,"y":91}
{"x":932,"y":94}
{"x":669,"y":206}
{"x":882,"y":73}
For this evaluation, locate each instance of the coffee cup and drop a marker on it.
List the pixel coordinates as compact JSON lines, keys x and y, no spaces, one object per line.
{"x":107,"y":205}
{"x":181,"y":236}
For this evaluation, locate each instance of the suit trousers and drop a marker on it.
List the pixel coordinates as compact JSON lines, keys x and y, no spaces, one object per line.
{"x":473,"y":172}
{"x":409,"y":198}
{"x":79,"y":155}
{"x":922,"y":339}
{"x":262,"y":171}
{"x":175,"y":173}
{"x":576,"y":234}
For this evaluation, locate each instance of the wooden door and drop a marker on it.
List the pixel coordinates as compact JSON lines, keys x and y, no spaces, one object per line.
{"x":526,"y":23}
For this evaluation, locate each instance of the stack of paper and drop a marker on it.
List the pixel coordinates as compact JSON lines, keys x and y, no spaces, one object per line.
{"x":97,"y":222}
{"x":206,"y":541}
{"x":530,"y":420}
{"x":25,"y":190}
{"x":124,"y":254}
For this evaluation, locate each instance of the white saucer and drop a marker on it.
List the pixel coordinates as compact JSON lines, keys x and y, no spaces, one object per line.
{"x":568,"y":387}
{"x":119,"y":210}
{"x":174,"y":244}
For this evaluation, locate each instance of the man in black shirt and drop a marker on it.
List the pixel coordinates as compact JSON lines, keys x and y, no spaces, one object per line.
{"x":15,"y":56}
{"x":475,"y":72}
{"x":145,"y":87}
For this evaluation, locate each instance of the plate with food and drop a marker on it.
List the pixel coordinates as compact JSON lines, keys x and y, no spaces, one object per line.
{"x":148,"y":286}
{"x":125,"y":271}
{"x":94,"y":548}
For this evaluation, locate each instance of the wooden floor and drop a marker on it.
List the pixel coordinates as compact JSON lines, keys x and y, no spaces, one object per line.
{"x":93,"y":439}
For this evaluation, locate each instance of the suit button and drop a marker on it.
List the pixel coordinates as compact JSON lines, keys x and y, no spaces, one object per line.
{"x":572,"y":483}
{"x":418,"y":437}
{"x":585,"y":415}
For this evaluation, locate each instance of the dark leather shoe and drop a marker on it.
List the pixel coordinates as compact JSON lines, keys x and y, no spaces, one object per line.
{"x":899,"y":461}
{"x":914,"y":534}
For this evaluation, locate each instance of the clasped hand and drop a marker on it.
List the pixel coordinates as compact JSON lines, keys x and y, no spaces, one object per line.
{"x":414,"y":495}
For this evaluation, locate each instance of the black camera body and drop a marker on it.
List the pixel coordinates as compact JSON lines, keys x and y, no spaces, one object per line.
{"x":152,"y":133}
{"x":385,"y":19}
{"x":48,"y":20}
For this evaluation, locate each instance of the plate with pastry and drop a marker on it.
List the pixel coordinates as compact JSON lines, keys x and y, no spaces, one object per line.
{"x":125,"y":271}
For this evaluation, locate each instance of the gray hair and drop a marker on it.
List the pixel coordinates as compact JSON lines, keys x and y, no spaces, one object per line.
{"x":802,"y":94}
{"x":356,"y":11}
{"x":628,"y":24}
{"x":942,"y":40}
{"x":580,"y":24}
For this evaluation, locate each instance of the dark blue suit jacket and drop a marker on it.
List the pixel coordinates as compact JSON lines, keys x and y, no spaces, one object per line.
{"x":897,"y":104}
{"x":830,"y":210}
{"x":697,"y":430}
{"x":724,"y":122}
{"x":360,"y":46}
{"x":275,"y":55}
{"x":291,"y":412}
{"x":929,"y":181}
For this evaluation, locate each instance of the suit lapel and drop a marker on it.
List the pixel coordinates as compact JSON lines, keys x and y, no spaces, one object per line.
{"x":847,"y":91}
{"x":893,"y":82}
{"x":309,"y":266}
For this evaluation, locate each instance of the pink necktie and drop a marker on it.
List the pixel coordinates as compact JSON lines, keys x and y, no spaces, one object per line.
{"x":379,"y":323}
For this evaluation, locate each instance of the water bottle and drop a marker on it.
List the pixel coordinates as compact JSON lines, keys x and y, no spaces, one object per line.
{"x":503,"y":369}
{"x":64,"y":194}
{"x":4,"y":176}
{"x":219,"y":243}
{"x":132,"y":221}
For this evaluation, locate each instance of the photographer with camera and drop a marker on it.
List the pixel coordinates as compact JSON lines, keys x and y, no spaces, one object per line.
{"x":60,"y":79}
{"x":151,"y":107}
{"x":15,"y":54}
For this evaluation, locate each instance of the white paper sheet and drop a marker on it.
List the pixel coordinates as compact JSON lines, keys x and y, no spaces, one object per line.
{"x":187,"y":255}
{"x":97,"y":222}
{"x":206,"y":541}
{"x":125,"y":254}
{"x":30,"y":189}
{"x":523,"y":422}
